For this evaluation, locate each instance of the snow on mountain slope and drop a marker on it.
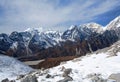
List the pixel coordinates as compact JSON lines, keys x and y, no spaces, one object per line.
{"x":10,"y":67}
{"x":81,"y":32}
{"x":54,"y":35}
{"x":94,"y":27}
{"x":114,"y":24}
{"x":51,"y":38}
{"x":98,"y":65}
{"x":34,"y":40}
{"x":81,"y":69}
{"x":33,"y":31}
{"x":70,"y":34}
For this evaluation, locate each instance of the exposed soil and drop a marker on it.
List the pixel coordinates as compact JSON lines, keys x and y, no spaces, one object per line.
{"x":51,"y":62}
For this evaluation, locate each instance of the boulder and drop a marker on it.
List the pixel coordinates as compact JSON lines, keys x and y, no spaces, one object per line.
{"x":29,"y":78}
{"x":67,"y":72}
{"x":115,"y":77}
{"x":48,"y":76}
{"x":66,"y":79}
{"x":20,"y":76}
{"x":96,"y":78}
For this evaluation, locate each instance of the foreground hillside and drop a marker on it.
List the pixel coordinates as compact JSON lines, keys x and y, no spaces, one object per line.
{"x":100,"y":66}
{"x":84,"y":70}
{"x":11,"y":68}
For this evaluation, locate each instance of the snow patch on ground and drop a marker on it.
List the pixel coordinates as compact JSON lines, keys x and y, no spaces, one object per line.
{"x":84,"y":66}
{"x":11,"y":68}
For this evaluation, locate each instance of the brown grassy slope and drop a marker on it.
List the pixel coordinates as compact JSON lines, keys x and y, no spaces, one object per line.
{"x":51,"y":62}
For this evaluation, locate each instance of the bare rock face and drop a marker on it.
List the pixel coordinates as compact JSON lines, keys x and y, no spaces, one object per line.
{"x":66,"y":75}
{"x":29,"y":78}
{"x":114,"y":49}
{"x":96,"y":78}
{"x":115,"y":77}
{"x":20,"y":76}
{"x":48,"y":76}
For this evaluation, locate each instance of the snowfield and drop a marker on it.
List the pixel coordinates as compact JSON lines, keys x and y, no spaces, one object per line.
{"x":11,"y":68}
{"x":83,"y":67}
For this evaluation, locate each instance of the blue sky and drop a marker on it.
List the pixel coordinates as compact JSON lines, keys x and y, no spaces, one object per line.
{"x":18,"y":15}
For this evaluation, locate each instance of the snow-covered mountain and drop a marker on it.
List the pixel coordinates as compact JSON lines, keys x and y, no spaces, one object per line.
{"x":73,"y":33}
{"x":34,"y":40}
{"x":100,"y":66}
{"x":114,"y":24}
{"x":81,"y":32}
{"x":94,"y":27}
{"x":11,"y":68}
{"x":34,"y":30}
{"x":5,"y":42}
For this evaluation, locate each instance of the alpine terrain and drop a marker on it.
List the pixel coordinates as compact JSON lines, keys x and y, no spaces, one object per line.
{"x":85,"y":53}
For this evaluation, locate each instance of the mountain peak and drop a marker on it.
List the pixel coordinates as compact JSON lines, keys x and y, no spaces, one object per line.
{"x":72,"y":27}
{"x":51,"y":31}
{"x":117,"y":18}
{"x":35,"y":29}
{"x":93,"y":25}
{"x":114,"y":24}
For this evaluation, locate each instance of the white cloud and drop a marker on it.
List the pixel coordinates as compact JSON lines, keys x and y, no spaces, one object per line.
{"x":21,"y":14}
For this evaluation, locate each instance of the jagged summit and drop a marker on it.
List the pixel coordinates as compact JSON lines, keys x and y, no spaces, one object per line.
{"x":33,"y":31}
{"x":50,"y":31}
{"x":93,"y":25}
{"x":114,"y":24}
{"x":72,"y":27}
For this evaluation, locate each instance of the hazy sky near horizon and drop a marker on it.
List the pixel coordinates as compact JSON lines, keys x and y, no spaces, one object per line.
{"x":18,"y":15}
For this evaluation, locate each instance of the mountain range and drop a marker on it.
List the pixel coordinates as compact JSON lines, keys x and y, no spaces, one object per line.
{"x":34,"y":43}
